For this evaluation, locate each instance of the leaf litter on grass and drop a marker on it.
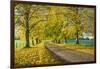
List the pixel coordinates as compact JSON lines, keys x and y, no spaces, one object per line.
{"x":35,"y":55}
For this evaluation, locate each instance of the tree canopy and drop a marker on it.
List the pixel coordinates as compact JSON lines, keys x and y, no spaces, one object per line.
{"x":55,"y":23}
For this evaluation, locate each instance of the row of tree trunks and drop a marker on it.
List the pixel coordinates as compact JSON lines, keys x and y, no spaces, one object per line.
{"x":36,"y":41}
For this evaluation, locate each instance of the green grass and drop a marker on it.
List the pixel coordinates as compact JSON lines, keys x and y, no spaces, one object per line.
{"x":35,"y":55}
{"x":81,"y":42}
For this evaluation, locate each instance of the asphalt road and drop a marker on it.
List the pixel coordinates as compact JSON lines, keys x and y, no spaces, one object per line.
{"x":69,"y":55}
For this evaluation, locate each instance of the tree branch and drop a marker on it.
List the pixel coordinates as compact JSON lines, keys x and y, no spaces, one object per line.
{"x":35,"y":24}
{"x":33,"y":13}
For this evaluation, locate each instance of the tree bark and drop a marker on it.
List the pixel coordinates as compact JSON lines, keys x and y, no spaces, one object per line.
{"x":77,"y":31}
{"x":65,"y":40}
{"x":27,"y":30}
{"x":33,"y":41}
{"x":77,"y":37}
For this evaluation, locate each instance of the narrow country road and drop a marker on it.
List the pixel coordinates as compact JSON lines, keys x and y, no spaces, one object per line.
{"x":69,"y":55}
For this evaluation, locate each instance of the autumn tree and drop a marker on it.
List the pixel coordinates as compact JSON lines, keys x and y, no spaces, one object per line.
{"x":79,"y":18}
{"x":27,"y":16}
{"x":45,"y":22}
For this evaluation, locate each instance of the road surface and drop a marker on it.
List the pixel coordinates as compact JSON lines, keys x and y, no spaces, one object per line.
{"x":69,"y":55}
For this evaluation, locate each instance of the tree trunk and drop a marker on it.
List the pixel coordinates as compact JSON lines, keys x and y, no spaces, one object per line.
{"x":27,"y":31}
{"x":78,"y":22}
{"x":33,"y":41}
{"x":77,"y":37}
{"x":65,"y":40}
{"x":36,"y":40}
{"x":58,"y":41}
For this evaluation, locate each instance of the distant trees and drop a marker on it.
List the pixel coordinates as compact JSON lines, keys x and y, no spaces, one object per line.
{"x":56,"y":23}
{"x":79,"y":19}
